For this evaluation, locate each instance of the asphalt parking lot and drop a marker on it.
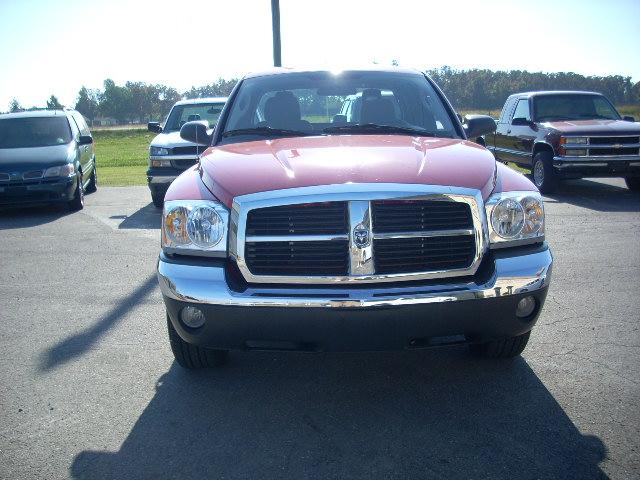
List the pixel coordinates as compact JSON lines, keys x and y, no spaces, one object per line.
{"x":89,"y":389}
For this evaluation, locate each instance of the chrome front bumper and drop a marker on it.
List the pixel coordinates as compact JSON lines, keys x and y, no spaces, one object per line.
{"x":207,"y":285}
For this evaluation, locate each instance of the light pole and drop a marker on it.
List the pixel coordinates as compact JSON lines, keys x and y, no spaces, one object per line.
{"x":275,"y":24}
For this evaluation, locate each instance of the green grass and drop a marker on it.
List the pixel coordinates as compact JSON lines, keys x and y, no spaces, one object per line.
{"x":122,"y":156}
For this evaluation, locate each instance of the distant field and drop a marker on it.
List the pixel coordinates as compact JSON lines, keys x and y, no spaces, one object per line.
{"x":122,"y":156}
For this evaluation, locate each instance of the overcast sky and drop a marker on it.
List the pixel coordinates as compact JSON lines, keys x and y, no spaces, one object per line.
{"x":54,"y":47}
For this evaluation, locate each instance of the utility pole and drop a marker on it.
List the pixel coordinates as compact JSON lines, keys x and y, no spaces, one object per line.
{"x":275,"y":23}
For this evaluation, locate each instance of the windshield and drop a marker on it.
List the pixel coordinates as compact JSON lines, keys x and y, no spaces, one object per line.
{"x":181,"y":114}
{"x":25,"y":132}
{"x":573,"y":107}
{"x":322,"y":103}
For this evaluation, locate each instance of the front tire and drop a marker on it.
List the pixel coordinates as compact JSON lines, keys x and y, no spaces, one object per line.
{"x":502,"y":348}
{"x":544,"y":176}
{"x":633,"y":183}
{"x":191,"y":356}
{"x":78,"y":200}
{"x":157,"y":198}
{"x":93,"y":181}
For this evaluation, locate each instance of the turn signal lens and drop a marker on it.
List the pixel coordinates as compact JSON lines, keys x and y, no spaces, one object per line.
{"x":175,"y":226}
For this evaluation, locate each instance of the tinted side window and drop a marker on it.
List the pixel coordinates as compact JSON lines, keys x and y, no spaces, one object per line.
{"x":522,"y":109}
{"x":82,"y":125}
{"x":506,"y":110}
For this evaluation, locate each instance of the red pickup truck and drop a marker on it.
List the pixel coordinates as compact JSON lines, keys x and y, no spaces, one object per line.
{"x":302,"y":228}
{"x":561,"y":134}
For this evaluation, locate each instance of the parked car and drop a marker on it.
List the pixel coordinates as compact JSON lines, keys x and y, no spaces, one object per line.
{"x":46,"y":156}
{"x":392,"y":232}
{"x":170,"y":155}
{"x":567,"y":135}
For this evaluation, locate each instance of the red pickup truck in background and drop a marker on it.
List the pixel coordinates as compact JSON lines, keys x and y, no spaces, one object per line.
{"x":560,"y":134}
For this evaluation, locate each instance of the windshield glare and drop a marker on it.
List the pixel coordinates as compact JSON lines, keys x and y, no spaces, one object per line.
{"x":316,"y":103}
{"x":573,"y":107}
{"x":29,"y":132}
{"x":181,"y":114}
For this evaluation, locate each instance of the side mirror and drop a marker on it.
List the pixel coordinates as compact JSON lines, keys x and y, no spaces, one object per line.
{"x":85,"y":140}
{"x":520,"y":122}
{"x":628,"y":118}
{"x":154,"y":127}
{"x":477,"y":125}
{"x":196,"y":132}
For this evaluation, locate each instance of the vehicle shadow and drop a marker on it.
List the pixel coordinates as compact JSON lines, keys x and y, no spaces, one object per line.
{"x":145,"y":218}
{"x":32,"y":216}
{"x":594,"y":195}
{"x":417,"y":414}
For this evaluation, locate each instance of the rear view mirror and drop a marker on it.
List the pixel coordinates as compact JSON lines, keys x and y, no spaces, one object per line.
{"x":196,"y":132}
{"x":154,"y":127}
{"x":520,"y":122}
{"x":477,"y":125}
{"x":628,"y":118}
{"x":85,"y":140}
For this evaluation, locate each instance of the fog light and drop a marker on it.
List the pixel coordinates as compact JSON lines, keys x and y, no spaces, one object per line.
{"x":525,"y":307}
{"x":192,"y":317}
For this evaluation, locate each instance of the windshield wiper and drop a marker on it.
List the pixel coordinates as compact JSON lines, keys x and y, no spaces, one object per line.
{"x":375,"y":128}
{"x":265,"y":131}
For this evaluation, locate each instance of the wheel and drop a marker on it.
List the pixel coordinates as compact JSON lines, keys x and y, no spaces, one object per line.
{"x":78,"y":199}
{"x":503,"y":348}
{"x":633,"y":183}
{"x":157,"y":198}
{"x":191,"y":356}
{"x":544,"y":176}
{"x":93,"y":181}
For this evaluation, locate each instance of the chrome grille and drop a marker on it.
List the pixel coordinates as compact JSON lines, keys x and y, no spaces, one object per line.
{"x":4,"y":177}
{"x":357,"y":233}
{"x":613,"y":146}
{"x":183,"y":163}
{"x":33,"y":174}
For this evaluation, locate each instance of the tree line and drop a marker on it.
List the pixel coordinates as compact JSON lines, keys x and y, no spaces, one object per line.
{"x":466,"y":89}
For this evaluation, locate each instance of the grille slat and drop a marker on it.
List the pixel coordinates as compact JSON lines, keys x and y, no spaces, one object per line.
{"x":419,"y":216}
{"x":314,"y":219}
{"x":423,"y":254}
{"x":308,"y":258}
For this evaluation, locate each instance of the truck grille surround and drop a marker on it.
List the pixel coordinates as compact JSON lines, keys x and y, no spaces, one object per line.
{"x":613,"y":146}
{"x":365,"y":237}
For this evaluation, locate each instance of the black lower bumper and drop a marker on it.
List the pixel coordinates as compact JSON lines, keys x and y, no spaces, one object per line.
{"x":32,"y":193}
{"x":353,"y":329}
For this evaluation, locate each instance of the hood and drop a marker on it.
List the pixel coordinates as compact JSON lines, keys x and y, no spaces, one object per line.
{"x":23,"y":159}
{"x":590,"y":127}
{"x":242,"y":168}
{"x":170,"y":140}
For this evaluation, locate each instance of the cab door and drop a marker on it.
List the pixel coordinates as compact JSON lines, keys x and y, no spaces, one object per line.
{"x":523,"y":133}
{"x":86,"y":151}
{"x":503,"y":130}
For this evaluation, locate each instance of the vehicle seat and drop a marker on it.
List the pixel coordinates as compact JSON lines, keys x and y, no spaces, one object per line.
{"x":194,"y":117}
{"x":283,"y":111}
{"x":377,"y":109}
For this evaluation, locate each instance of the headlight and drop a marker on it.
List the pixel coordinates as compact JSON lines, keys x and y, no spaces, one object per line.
{"x":515,"y":218}
{"x":61,"y":171}
{"x":195,"y":227}
{"x":159,"y":163}
{"x":158,"y":151}
{"x":574,"y":140}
